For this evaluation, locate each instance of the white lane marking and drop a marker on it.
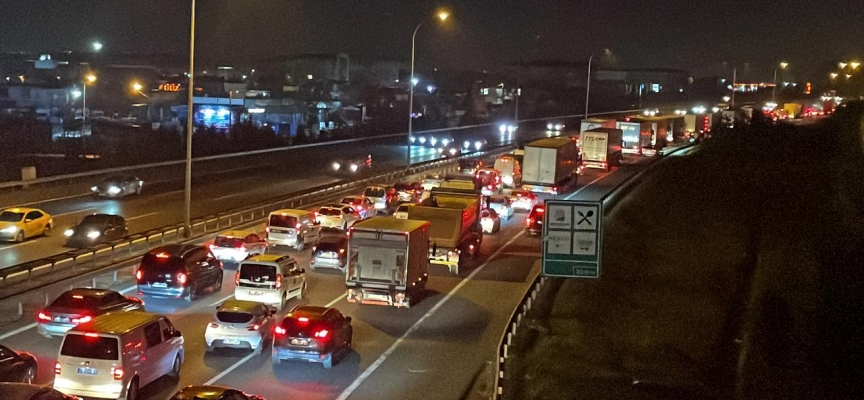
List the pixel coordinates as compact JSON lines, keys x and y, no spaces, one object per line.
{"x":74,"y":212}
{"x":583,"y":187}
{"x":336,"y":300}
{"x":222,"y":300}
{"x":17,"y":331}
{"x":145,"y":215}
{"x":9,"y":246}
{"x":50,"y":200}
{"x":130,"y":288}
{"x":383,"y":357}
{"x":231,"y":368}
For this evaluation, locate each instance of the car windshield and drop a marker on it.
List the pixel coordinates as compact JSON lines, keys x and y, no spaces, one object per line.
{"x":283,"y":221}
{"x":94,"y":220}
{"x":96,"y":347}
{"x":375,"y":192}
{"x":258,"y":272}
{"x":234,"y":317}
{"x":330,"y":212}
{"x":225,"y":241}
{"x":10,"y":216}
{"x":70,"y":300}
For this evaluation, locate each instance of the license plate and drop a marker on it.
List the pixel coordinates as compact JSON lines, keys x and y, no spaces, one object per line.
{"x":87,"y":371}
{"x":61,"y":319}
{"x":255,"y":293}
{"x":159,"y":284}
{"x":231,"y":341}
{"x":300,"y":342}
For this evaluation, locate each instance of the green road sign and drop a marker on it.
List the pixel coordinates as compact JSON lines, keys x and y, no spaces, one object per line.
{"x":572,"y":238}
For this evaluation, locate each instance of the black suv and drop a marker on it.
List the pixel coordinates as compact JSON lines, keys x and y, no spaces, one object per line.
{"x":179,"y":270}
{"x":330,"y":252}
{"x":314,"y":334}
{"x":95,"y":229}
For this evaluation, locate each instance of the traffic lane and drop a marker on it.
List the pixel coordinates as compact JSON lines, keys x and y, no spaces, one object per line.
{"x":377,"y":328}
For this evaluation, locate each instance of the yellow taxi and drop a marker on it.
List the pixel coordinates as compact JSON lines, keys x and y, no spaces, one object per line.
{"x":17,"y":224}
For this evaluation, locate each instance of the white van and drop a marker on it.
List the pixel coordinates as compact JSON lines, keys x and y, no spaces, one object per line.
{"x":271,"y":279}
{"x":295,"y":228}
{"x":114,"y":355}
{"x":511,"y":171}
{"x":377,"y":195}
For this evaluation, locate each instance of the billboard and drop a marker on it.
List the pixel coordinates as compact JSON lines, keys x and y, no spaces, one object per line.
{"x":216,"y":116}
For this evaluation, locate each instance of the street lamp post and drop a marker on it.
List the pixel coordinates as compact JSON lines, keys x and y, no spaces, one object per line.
{"x":442,"y":15}
{"x":187,"y":189}
{"x":89,"y":78}
{"x":588,"y":86}
{"x":782,"y":65}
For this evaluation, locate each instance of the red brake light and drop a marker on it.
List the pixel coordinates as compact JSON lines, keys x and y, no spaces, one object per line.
{"x":541,"y":210}
{"x":182,"y":278}
{"x":91,"y":334}
{"x":278,"y":282}
{"x":139,"y":275}
{"x":57,"y":368}
{"x":163,"y":255}
{"x":44,"y":317}
{"x":322,"y":334}
{"x":254,"y":327}
{"x":117,"y":372}
{"x":82,"y":320}
{"x":303,"y":319}
{"x":237,"y":278}
{"x":279,"y":330}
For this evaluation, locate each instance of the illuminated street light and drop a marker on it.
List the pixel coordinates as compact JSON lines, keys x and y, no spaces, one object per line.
{"x":137,"y":86}
{"x":833,"y":75}
{"x":783,"y":65}
{"x":441,"y":15}
{"x":848,"y":76}
{"x":97,"y":46}
{"x":90,"y":78}
{"x":842,"y":65}
{"x":854,"y":64}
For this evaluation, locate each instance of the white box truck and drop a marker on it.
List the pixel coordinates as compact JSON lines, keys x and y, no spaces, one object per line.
{"x":601,"y":148}
{"x":549,"y":165}
{"x":388,"y":261}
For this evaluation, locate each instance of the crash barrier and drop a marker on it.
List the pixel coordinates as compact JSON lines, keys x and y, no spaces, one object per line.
{"x":108,"y":255}
{"x":128,"y":169}
{"x":623,"y":180}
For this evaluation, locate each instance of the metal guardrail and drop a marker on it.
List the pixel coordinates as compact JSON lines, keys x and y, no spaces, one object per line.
{"x":122,"y":250}
{"x":108,"y":171}
{"x":530,"y":298}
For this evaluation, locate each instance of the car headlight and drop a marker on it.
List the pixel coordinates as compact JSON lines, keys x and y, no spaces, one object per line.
{"x":94,"y":188}
{"x":452,"y":152}
{"x":558,"y":127}
{"x":511,"y":128}
{"x":113,"y":190}
{"x":69,"y":232}
{"x":445,"y":141}
{"x":9,"y":229}
{"x":432,"y":141}
{"x":336,"y":166}
{"x":422,"y":139}
{"x":412,"y":139}
{"x":93,"y":234}
{"x":503,"y":128}
{"x":478,"y":145}
{"x":354,"y":167}
{"x":440,"y":149}
{"x":550,"y":126}
{"x":508,"y":180}
{"x":466,"y":144}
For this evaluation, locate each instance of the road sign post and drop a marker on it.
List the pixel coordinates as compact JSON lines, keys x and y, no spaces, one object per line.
{"x":572,"y":238}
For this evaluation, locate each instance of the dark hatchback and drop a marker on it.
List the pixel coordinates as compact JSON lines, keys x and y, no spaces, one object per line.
{"x":330,"y":252}
{"x":95,"y":229}
{"x":78,"y":306}
{"x":179,"y":270}
{"x":313,"y":334}
{"x":211,"y":392}
{"x":118,"y":186}
{"x":534,"y":221}
{"x":16,"y":366}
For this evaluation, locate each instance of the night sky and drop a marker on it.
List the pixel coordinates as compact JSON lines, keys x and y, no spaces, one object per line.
{"x":695,"y":36}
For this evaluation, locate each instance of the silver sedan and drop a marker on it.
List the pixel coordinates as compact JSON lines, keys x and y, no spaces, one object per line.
{"x":118,"y":186}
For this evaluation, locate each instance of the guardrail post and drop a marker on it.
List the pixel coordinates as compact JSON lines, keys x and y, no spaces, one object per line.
{"x":93,"y":283}
{"x":115,"y":275}
{"x":20,"y":309}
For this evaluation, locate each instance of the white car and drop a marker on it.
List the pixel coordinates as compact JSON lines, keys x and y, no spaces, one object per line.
{"x":431,"y":181}
{"x":337,"y":216}
{"x":238,"y":245}
{"x":402,"y":211}
{"x":490,"y":222}
{"x":523,"y":200}
{"x":502,"y":206}
{"x":240,"y":324}
{"x":361,"y":205}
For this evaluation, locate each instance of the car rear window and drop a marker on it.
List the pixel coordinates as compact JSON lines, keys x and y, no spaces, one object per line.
{"x":68,"y":300}
{"x":232,"y":242}
{"x":234,"y":317}
{"x":331,"y":246}
{"x":379,"y":192}
{"x":402,"y":208}
{"x":283,"y":221}
{"x":351,"y":200}
{"x":331,"y":212}
{"x":499,"y":200}
{"x":294,"y":326}
{"x":402,"y":186}
{"x":154,"y":262}
{"x":258,"y":272}
{"x":80,"y":346}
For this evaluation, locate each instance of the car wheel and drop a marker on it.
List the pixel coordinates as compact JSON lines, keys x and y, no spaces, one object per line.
{"x":209,"y":349}
{"x":302,"y":291}
{"x":47,"y":230}
{"x":20,"y":237}
{"x":29,"y":375}
{"x":175,"y":369}
{"x":192,"y":295}
{"x":218,"y":286}
{"x":284,"y":302}
{"x":132,"y":391}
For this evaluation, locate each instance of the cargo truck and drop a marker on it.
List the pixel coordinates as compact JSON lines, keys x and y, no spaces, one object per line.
{"x":455,"y":234}
{"x":550,"y":165}
{"x":601,"y":148}
{"x":792,"y":109}
{"x":388,"y":261}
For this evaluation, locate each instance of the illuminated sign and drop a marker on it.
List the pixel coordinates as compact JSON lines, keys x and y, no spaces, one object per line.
{"x":256,"y":111}
{"x":169,"y":87}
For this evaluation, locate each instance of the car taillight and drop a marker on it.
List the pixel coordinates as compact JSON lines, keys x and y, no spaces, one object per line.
{"x":139,"y":275}
{"x":44,"y":317}
{"x":341,"y":251}
{"x":278,"y":282}
{"x":297,"y":226}
{"x":279,"y":330}
{"x":57,"y":368}
{"x":214,"y":325}
{"x":82,"y":319}
{"x":182,"y":278}
{"x":254,"y":327}
{"x":237,"y":278}
{"x":117,"y":372}
{"x":323,"y":334}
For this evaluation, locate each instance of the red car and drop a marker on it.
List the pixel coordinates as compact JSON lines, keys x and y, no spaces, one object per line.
{"x":534,"y":222}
